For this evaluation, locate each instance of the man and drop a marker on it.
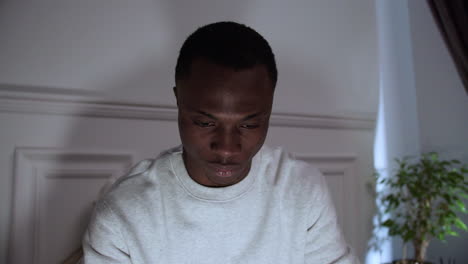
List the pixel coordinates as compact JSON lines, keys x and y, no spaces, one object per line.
{"x":222,"y":197}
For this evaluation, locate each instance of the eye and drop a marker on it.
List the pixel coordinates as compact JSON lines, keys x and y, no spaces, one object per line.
{"x":249,"y":126}
{"x":204,"y":124}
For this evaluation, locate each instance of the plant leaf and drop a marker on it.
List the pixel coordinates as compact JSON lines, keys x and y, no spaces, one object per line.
{"x":460,"y":206}
{"x":460,"y":224}
{"x":452,"y":233}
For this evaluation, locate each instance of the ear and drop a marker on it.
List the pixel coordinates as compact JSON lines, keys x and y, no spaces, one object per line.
{"x":175,"y":94}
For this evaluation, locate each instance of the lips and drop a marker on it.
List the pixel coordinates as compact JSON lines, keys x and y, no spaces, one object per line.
{"x":224,"y":171}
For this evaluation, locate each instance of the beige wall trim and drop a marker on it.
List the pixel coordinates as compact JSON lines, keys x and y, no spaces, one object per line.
{"x":57,"y":101}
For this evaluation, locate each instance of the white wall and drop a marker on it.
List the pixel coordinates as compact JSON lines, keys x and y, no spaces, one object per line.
{"x":326,"y":49}
{"x":56,"y":56}
{"x":442,"y":107}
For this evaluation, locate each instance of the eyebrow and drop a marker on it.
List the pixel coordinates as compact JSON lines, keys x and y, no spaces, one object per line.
{"x":244,"y":119}
{"x":206,"y":114}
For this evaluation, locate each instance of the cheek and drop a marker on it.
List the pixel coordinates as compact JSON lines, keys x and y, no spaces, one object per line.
{"x":191,"y":138}
{"x":254,"y":141}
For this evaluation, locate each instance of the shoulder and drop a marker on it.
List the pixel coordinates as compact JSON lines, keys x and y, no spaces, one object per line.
{"x":137,"y":179}
{"x":285,"y":170}
{"x":285,"y":166}
{"x":141,"y":182}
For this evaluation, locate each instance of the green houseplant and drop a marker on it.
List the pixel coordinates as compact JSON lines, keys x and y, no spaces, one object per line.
{"x":422,"y":200}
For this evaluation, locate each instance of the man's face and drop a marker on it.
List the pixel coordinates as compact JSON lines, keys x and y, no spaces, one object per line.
{"x":223,"y":120}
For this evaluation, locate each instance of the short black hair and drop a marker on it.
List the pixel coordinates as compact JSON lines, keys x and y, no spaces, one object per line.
{"x":227,"y":44}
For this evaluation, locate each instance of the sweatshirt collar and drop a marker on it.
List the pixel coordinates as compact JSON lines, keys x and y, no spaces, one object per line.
{"x":219,"y":194}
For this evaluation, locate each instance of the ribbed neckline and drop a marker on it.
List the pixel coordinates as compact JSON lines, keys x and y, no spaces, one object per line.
{"x":214,"y":194}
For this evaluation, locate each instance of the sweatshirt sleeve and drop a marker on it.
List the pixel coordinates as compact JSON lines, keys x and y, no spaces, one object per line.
{"x":325,"y":243}
{"x":103,"y":242}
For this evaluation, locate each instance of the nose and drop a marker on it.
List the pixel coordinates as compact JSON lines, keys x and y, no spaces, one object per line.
{"x":226,"y":144}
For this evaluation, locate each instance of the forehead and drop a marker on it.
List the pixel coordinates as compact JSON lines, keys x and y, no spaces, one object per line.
{"x":222,"y":89}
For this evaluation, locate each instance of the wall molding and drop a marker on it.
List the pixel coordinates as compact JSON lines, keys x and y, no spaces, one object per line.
{"x":57,"y":101}
{"x":37,"y":171}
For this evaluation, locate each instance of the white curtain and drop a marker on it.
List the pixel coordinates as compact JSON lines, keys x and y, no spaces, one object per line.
{"x":397,"y":132}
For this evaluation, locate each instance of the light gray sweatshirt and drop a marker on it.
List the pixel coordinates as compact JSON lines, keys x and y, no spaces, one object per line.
{"x":280,"y":213}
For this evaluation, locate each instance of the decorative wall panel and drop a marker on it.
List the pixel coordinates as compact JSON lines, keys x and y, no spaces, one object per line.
{"x":54,"y":194}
